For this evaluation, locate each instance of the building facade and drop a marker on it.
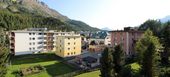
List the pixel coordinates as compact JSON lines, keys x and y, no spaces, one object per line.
{"x":34,"y":40}
{"x":127,"y":38}
{"x":67,"y":46}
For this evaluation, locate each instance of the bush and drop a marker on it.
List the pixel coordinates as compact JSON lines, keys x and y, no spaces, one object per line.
{"x":131,"y":70}
{"x":29,"y":71}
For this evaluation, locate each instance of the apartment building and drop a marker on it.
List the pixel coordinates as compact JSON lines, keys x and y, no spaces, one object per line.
{"x":127,"y":38}
{"x":34,"y":40}
{"x":69,"y":45}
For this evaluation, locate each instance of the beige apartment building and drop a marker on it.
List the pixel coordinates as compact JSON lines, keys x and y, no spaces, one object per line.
{"x":69,"y":45}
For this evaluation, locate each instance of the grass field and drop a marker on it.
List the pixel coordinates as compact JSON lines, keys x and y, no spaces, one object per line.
{"x":52,"y":64}
{"x":90,"y":74}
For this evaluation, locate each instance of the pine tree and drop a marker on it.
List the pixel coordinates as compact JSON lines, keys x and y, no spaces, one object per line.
{"x":118,"y":59}
{"x":3,"y":60}
{"x":107,"y":65}
{"x":4,"y":53}
{"x":148,"y":53}
{"x":166,"y":43}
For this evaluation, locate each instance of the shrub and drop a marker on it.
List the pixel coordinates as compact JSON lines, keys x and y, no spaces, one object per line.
{"x":29,"y":71}
{"x":131,"y":70}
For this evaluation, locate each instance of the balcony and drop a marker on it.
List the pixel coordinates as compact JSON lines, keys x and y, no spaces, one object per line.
{"x":40,"y":38}
{"x":12,"y":47}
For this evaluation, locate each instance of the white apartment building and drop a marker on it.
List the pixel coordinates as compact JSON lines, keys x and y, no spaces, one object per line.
{"x":34,"y":40}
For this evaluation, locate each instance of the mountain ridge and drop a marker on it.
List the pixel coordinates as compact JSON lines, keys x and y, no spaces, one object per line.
{"x":165,"y":19}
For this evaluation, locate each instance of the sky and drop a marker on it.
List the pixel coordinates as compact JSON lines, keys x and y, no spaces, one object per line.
{"x":114,"y":14}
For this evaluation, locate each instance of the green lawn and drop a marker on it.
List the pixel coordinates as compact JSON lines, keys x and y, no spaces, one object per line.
{"x":52,"y":64}
{"x":90,"y":74}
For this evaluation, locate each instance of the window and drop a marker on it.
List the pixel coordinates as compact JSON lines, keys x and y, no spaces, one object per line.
{"x":29,"y":33}
{"x":33,"y":38}
{"x":68,"y":48}
{"x":68,"y":38}
{"x":39,"y":33}
{"x":30,"y":43}
{"x":30,"y":38}
{"x":74,"y":47}
{"x":74,"y":52}
{"x":74,"y":43}
{"x":33,"y":33}
{"x":115,"y":39}
{"x":74,"y":38}
{"x":68,"y":53}
{"x":30,"y":49}
{"x":33,"y":48}
{"x":60,"y":50}
{"x":33,"y":43}
{"x":71,"y":53}
{"x":122,"y":39}
{"x":121,"y":33}
{"x":132,"y":34}
{"x":68,"y":43}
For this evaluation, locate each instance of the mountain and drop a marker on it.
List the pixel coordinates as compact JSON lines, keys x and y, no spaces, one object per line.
{"x":79,"y":25}
{"x":36,"y":7}
{"x":165,"y":19}
{"x":106,"y":29}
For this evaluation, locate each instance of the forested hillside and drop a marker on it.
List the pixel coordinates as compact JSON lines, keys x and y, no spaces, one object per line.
{"x":11,"y":21}
{"x":20,"y":14}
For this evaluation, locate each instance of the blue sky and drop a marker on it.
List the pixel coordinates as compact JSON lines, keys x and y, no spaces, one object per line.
{"x":114,"y":14}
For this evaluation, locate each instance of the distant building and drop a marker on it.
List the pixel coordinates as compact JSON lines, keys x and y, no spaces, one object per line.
{"x":99,"y":40}
{"x":34,"y":40}
{"x":127,"y":38}
{"x":101,"y":37}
